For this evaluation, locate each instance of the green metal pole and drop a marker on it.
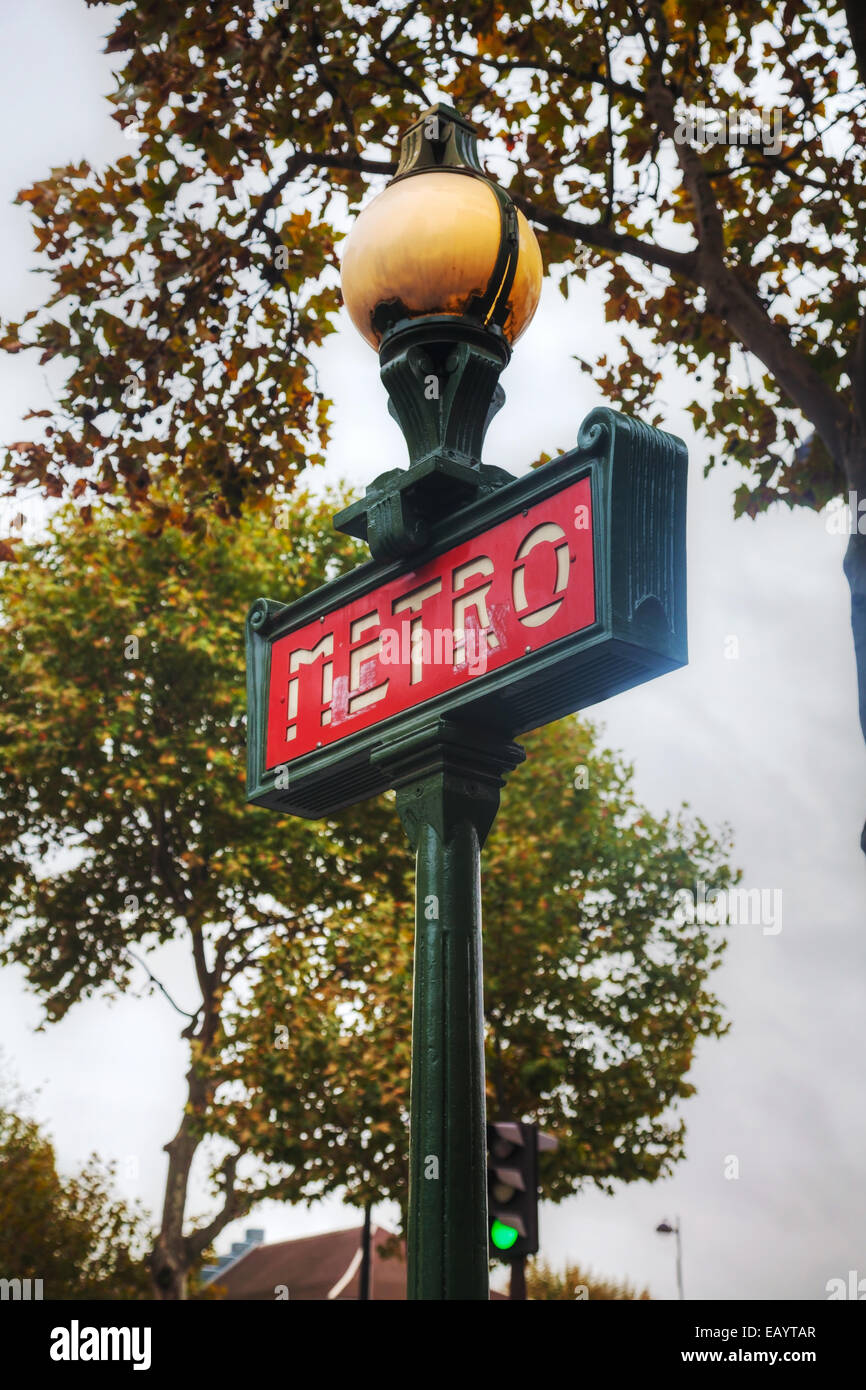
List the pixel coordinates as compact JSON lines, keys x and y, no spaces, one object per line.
{"x":448,"y":780}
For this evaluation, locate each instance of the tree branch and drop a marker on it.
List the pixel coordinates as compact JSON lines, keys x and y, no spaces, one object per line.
{"x":203,"y":975}
{"x":610,"y":166}
{"x":776,"y":162}
{"x":729,"y":298}
{"x":234,"y":1205}
{"x":605,"y":239}
{"x":160,"y":986}
{"x":407,"y":83}
{"x":303,"y":159}
{"x":589,"y":75}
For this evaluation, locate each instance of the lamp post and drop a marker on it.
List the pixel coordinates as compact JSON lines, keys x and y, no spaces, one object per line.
{"x":532,"y":598}
{"x":664,"y":1228}
{"x":441,"y":274}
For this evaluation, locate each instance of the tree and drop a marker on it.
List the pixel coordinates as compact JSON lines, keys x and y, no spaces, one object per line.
{"x":191,"y":279}
{"x":544,"y":1282}
{"x":72,"y":1233}
{"x":596,"y":993}
{"x":123,"y":821}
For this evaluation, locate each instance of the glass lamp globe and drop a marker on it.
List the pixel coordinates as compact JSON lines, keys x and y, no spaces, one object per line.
{"x":430,"y":242}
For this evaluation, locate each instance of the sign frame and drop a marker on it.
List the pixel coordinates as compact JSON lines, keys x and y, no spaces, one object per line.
{"x":638,"y":482}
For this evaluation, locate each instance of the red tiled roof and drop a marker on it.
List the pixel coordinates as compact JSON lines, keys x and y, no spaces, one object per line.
{"x":314,"y":1267}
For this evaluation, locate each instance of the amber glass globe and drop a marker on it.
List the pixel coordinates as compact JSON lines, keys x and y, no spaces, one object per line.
{"x":431,"y":241}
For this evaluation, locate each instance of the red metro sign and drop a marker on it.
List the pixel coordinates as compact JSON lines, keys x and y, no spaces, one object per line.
{"x":472,"y":610}
{"x":543,"y":597}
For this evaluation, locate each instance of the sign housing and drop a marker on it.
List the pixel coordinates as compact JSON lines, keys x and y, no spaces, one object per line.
{"x":554,"y":592}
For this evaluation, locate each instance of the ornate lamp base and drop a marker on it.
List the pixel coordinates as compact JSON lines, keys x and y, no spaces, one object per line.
{"x":442,"y":377}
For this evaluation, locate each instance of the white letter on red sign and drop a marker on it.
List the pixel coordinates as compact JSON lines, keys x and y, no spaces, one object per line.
{"x":548,"y":531}
{"x":300,"y":658}
{"x":413,"y":603}
{"x":362,"y":672}
{"x":475,"y":599}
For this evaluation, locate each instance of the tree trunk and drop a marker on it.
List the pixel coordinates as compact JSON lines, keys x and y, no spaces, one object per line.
{"x":855,"y":573}
{"x":174,"y":1254}
{"x":169,"y":1260}
{"x":168,"y":1272}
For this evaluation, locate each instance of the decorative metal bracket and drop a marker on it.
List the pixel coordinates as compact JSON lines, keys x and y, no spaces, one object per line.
{"x":442,"y":376}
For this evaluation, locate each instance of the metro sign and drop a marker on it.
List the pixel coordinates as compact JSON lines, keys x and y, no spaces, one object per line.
{"x":541,"y":598}
{"x":476,"y":608}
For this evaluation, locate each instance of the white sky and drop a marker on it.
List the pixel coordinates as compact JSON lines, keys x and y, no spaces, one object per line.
{"x":769,"y":742}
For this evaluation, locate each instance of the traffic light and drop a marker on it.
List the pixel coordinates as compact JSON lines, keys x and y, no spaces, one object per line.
{"x":512,"y":1189}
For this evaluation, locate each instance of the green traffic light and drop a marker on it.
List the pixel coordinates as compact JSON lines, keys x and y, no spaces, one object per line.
{"x":502,"y":1236}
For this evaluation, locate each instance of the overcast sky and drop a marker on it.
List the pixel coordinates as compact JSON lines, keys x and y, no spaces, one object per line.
{"x":767,"y":741}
